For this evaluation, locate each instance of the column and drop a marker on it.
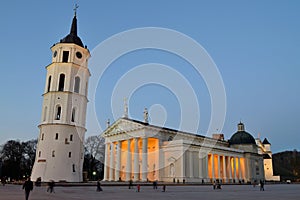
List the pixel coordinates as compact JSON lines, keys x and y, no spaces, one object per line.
{"x":107,"y":146}
{"x":201,"y":165}
{"x":234,"y":169}
{"x":136,"y":160}
{"x":118,"y":161}
{"x":239,"y":167}
{"x":212,"y":167}
{"x":229,"y":168}
{"x":206,"y":166}
{"x":224,"y":169}
{"x":111,"y":165}
{"x":145,"y":159}
{"x":128,"y":161}
{"x":219,"y":167}
{"x":191,"y":174}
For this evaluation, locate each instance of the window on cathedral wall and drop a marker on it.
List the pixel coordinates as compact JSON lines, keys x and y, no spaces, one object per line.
{"x":77,"y":84}
{"x":70,"y":154}
{"x":56,"y":136}
{"x":71,"y":137}
{"x":40,"y":153}
{"x":58,"y":113}
{"x":53,"y":153}
{"x":42,"y":136}
{"x":73,"y":167}
{"x":65,"y":56}
{"x":61,"y":84}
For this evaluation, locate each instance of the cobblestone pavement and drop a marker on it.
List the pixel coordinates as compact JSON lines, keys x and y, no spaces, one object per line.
{"x":232,"y":192}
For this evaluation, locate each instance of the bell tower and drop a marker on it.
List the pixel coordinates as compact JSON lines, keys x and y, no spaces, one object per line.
{"x":60,"y":151}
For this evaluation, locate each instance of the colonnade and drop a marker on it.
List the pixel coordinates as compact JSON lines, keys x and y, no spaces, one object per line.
{"x":226,"y":168}
{"x":128,"y":159}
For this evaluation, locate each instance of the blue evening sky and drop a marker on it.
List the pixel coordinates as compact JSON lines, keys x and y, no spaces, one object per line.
{"x":255,"y":45}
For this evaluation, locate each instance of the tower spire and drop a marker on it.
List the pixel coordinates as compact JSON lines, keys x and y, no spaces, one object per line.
{"x":73,"y":30}
{"x":72,"y":37}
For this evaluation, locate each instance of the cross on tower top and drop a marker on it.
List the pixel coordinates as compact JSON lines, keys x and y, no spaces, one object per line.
{"x":75,"y":8}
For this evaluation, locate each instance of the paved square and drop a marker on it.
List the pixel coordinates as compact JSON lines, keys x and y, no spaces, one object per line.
{"x":232,"y":192}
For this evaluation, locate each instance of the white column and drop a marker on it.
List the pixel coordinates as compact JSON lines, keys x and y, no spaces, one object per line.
{"x":136,"y":160}
{"x":239,"y":167}
{"x":219,"y":167}
{"x":201,"y":165}
{"x":224,"y":169}
{"x":145,"y":159}
{"x":118,"y":161}
{"x":191,"y":174}
{"x":206,"y":166}
{"x":128,"y":161}
{"x":234,"y":170}
{"x":111,"y":165}
{"x":212,"y":167}
{"x":107,"y":146}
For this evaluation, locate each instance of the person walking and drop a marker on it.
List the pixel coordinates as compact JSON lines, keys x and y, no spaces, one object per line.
{"x":130,"y":184}
{"x":28,"y":186}
{"x":164,"y":188}
{"x":138,"y":187}
{"x":51,"y":186}
{"x":99,"y":189}
{"x":262,"y":188}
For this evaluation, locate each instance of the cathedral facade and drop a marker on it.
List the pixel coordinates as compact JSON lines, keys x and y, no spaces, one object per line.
{"x":139,"y":151}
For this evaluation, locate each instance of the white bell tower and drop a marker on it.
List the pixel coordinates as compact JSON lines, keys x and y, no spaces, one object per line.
{"x":60,"y":151}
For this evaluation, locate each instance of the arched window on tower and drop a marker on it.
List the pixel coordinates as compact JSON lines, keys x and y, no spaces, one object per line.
{"x":49,"y":84}
{"x":73,"y":115}
{"x":77,"y":84}
{"x":61,"y":84}
{"x":58,"y":113}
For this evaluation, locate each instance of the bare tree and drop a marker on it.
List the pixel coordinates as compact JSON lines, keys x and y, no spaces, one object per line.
{"x":94,"y":157}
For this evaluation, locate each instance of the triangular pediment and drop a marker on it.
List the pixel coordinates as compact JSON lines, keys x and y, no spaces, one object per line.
{"x":123,"y":125}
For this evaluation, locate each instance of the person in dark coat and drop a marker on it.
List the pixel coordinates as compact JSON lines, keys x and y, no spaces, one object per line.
{"x":130,"y":184}
{"x":262,"y":188}
{"x":51,"y":186}
{"x":164,"y":188}
{"x":28,"y":186}
{"x":99,"y":189}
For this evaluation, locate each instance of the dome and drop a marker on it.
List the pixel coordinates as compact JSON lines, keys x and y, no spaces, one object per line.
{"x":72,"y":37}
{"x":241,"y":136}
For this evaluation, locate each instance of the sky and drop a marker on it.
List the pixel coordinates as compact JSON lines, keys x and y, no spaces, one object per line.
{"x":254,"y":47}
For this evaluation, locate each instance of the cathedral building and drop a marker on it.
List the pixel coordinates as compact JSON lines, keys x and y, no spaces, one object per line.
{"x":60,"y":150}
{"x":135,"y":150}
{"x":139,"y":151}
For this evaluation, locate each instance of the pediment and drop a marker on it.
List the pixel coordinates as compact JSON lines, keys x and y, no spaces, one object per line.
{"x":121,"y":126}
